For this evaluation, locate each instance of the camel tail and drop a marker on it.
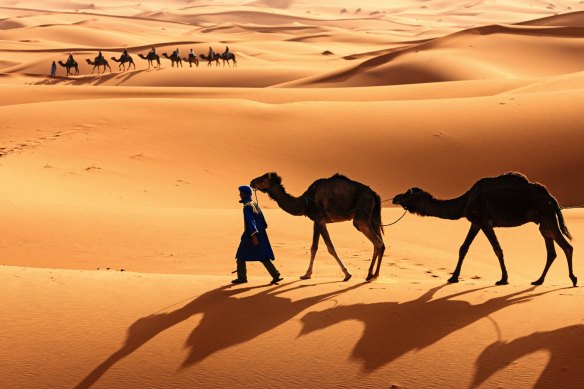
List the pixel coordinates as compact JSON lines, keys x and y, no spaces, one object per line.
{"x":377,"y":212}
{"x":561,"y":221}
{"x":558,"y":210}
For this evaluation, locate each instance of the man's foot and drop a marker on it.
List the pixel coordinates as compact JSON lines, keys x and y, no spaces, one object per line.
{"x":276,"y":280}
{"x":238,"y":281}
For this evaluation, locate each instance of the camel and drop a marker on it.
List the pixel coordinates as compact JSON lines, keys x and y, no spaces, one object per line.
{"x":70,"y":65}
{"x":151,"y":57}
{"x":226,"y":57}
{"x":99,"y":61}
{"x":331,"y":200}
{"x":508,"y":200}
{"x":123,"y":60}
{"x":173,"y":58}
{"x":215,"y":57}
{"x":191,"y":59}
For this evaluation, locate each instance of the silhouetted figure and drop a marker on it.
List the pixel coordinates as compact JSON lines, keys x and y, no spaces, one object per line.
{"x":226,"y":50}
{"x":99,"y":56}
{"x":331,"y":200}
{"x":174,"y":58}
{"x":254,"y":244}
{"x":53,"y":69}
{"x":99,"y":61}
{"x":151,"y":57}
{"x":508,"y":200}
{"x":211,"y":52}
{"x":70,"y":64}
{"x":124,"y":59}
{"x":192,"y":58}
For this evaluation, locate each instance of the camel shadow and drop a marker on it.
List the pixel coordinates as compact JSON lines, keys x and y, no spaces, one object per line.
{"x":563,"y":369}
{"x":393,"y":329}
{"x":228,"y":320}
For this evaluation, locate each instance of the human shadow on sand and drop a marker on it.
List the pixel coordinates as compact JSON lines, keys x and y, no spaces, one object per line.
{"x":393,"y":329}
{"x":564,"y":368}
{"x":228,"y":320}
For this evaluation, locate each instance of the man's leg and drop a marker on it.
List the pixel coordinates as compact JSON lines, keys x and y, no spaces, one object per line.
{"x":272,"y":270}
{"x":241,"y":272}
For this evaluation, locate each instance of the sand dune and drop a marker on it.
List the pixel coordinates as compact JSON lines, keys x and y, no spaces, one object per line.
{"x":120,"y":204}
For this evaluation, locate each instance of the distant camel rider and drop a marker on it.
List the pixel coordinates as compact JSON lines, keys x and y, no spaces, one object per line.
{"x":211,"y":52}
{"x":70,"y":59}
{"x":125,"y":53}
{"x":175,"y":53}
{"x":152,"y":51}
{"x":99,"y":56}
{"x":226,"y":50}
{"x":192,"y":54}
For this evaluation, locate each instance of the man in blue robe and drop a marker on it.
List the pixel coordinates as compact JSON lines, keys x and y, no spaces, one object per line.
{"x":254,"y":245}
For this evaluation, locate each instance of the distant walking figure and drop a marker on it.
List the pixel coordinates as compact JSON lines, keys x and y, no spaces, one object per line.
{"x":330,"y":200}
{"x":54,"y":69}
{"x":254,"y":244}
{"x":508,"y":200}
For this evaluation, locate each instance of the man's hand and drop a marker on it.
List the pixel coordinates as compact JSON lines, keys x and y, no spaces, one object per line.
{"x":255,"y":240}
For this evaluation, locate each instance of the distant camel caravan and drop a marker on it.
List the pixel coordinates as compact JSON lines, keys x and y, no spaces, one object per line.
{"x":99,"y":61}
{"x":508,"y":200}
{"x":123,"y":60}
{"x":330,"y":200}
{"x":153,"y":61}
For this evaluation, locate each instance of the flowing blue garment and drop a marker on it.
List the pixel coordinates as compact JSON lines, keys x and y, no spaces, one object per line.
{"x":255,"y":223}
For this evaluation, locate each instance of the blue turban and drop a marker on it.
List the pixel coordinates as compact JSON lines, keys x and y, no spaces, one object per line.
{"x":246,"y":191}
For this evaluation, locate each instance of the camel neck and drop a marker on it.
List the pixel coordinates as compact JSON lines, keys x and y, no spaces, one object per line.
{"x":292,"y":205}
{"x":452,"y":209}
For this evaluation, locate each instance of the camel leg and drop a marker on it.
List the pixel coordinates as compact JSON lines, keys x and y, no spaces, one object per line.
{"x":551,"y":255}
{"x":313,"y":250}
{"x":568,"y":250}
{"x":472,"y":233}
{"x":378,"y":246}
{"x":331,"y":249}
{"x":490,"y":233}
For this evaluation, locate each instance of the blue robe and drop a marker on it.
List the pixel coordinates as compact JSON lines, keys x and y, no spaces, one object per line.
{"x":254,"y":222}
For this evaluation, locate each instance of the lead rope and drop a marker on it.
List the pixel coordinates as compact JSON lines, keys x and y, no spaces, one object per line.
{"x":395,"y":222}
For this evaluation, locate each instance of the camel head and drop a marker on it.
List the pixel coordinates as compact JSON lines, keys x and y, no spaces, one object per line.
{"x":266,"y":182}
{"x":89,"y":61}
{"x":409,"y":199}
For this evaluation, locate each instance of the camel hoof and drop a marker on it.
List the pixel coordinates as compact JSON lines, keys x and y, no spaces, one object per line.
{"x":574,"y":280}
{"x":371,"y":277}
{"x":538,"y":282}
{"x":502,"y":282}
{"x":453,"y":280}
{"x":305,"y":277}
{"x":347,"y":277}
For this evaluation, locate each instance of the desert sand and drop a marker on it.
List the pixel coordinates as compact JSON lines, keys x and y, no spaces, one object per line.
{"x":120,"y":214}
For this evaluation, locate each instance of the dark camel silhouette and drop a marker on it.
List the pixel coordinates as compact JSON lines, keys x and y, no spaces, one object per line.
{"x":564,"y":368}
{"x":226,"y":57}
{"x":221,"y":325}
{"x":173,"y":58}
{"x":192,"y":59}
{"x":393,"y":329}
{"x":123,"y":60}
{"x":508,"y":200}
{"x":215,"y":57}
{"x":331,"y":200}
{"x":151,"y":58}
{"x":70,"y":65}
{"x":99,"y":61}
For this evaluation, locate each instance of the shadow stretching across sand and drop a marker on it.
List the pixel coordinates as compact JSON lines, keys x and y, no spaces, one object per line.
{"x":227,"y":321}
{"x":393,"y":329}
{"x":564,"y":368}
